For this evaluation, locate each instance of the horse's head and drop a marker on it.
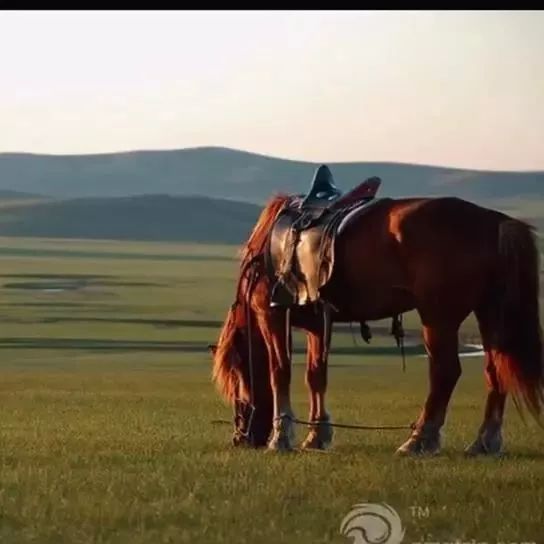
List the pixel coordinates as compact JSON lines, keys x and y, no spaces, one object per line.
{"x":242,"y":378}
{"x":241,"y":369}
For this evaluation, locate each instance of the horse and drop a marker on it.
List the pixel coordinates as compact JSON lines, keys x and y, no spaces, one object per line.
{"x":444,"y":257}
{"x":241,"y":340}
{"x":242,"y":363}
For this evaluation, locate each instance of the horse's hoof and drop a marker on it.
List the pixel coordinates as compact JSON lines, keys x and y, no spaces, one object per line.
{"x":417,"y":446}
{"x":320,"y":435}
{"x":239,"y":442}
{"x":280,"y":443}
{"x":283,"y":435}
{"x":316,"y":442}
{"x":490,"y":446}
{"x":312,"y":442}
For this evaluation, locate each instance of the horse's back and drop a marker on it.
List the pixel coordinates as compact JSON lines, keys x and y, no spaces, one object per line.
{"x":412,"y":249}
{"x":449,"y":248}
{"x":443,"y":220}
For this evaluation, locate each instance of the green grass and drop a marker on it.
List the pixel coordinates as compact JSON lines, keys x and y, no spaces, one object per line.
{"x":106,"y":407}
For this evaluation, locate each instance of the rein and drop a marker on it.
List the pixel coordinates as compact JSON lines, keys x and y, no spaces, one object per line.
{"x":412,"y":426}
{"x":250,"y":266}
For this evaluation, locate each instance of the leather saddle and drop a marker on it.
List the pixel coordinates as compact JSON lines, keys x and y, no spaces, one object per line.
{"x":323,"y":190}
{"x":302,"y":239}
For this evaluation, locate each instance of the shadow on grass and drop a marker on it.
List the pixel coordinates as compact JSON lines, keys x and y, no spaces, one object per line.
{"x":159,"y":323}
{"x":70,"y":284}
{"x":77,"y":254}
{"x":57,"y":276}
{"x":182,"y":323}
{"x":101,"y":344}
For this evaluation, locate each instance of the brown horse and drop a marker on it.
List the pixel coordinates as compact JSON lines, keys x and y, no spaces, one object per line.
{"x":445,"y":258}
{"x":246,"y":355}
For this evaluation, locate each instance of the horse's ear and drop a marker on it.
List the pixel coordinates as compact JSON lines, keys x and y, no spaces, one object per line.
{"x":212,"y":348}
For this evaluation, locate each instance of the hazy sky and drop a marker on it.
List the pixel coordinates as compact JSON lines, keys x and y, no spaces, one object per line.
{"x":453,"y":88}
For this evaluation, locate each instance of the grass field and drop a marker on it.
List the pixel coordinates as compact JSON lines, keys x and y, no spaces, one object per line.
{"x":106,"y":407}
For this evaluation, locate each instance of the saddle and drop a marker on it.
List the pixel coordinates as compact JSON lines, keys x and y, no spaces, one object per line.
{"x":302,"y":239}
{"x":323,"y":190}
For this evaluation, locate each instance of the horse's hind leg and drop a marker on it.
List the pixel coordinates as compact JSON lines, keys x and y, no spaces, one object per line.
{"x":444,"y":371}
{"x":489,"y":439}
{"x":320,"y":433}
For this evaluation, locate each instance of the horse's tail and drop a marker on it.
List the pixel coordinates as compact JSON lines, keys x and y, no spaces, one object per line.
{"x":518,"y":353}
{"x":226,"y":371}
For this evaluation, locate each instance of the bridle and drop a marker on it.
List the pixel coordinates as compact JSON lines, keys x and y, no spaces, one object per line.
{"x":251,"y":270}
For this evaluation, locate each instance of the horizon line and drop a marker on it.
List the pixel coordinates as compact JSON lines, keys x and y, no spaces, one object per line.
{"x":265,"y":155}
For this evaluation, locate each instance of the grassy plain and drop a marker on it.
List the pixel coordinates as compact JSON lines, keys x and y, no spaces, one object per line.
{"x":106,"y":403}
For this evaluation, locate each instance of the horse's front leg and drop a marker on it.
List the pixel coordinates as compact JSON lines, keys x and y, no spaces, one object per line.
{"x":273,"y":325}
{"x":320,"y":433}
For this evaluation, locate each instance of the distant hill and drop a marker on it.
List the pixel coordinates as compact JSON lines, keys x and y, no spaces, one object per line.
{"x":7,"y":194}
{"x":147,"y":218}
{"x":210,"y":194}
{"x":239,"y":175}
{"x":144,"y":218}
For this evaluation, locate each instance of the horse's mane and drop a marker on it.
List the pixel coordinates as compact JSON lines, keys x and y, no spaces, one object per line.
{"x":226,"y":369}
{"x":257,"y":239}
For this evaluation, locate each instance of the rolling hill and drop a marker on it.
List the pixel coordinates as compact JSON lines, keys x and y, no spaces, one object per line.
{"x":8,"y":195}
{"x":239,"y":175}
{"x":210,"y":194}
{"x":143,"y":218}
